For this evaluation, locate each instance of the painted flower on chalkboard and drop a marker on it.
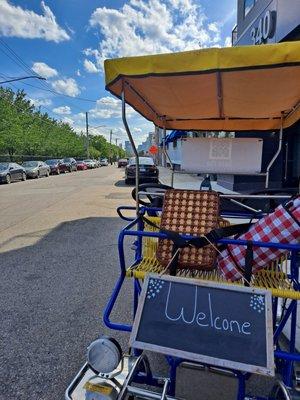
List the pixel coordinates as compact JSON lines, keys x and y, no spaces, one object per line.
{"x":257,"y":303}
{"x":154,"y":287}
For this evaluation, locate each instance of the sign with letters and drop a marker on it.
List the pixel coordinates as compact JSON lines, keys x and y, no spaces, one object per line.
{"x":222,"y":155}
{"x":265,"y":28}
{"x":219,"y":324}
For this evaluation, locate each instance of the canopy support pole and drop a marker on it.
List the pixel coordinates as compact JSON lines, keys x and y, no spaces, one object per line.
{"x":164,"y":161}
{"x":166,"y":154}
{"x":276,"y":154}
{"x":137,"y":166}
{"x":135,"y":92}
{"x":171,"y":165}
{"x":220,"y":94}
{"x":294,"y":109}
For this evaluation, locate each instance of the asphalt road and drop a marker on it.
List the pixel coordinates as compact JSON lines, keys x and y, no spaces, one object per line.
{"x":59,"y":262}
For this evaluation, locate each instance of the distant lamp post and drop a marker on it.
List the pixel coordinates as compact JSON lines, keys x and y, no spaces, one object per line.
{"x":23,"y":77}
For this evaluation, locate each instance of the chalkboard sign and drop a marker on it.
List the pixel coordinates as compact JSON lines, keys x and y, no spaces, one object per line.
{"x":218,"y":324}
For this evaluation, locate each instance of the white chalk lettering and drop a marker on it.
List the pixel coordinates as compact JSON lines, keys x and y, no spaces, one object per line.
{"x":244,"y":326}
{"x":237,"y":325}
{"x":225,"y":324}
{"x":210,"y":311}
{"x":217,"y":327}
{"x":181,"y":315}
{"x":200,"y":317}
{"x":189,"y":313}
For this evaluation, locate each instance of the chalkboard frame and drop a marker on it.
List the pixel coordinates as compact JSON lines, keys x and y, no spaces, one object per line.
{"x":268,"y":370}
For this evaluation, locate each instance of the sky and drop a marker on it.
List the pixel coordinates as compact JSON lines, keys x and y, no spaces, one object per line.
{"x":66,"y":42}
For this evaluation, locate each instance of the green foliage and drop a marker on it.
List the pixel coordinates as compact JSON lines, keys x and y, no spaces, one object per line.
{"x":25,"y":130}
{"x":105,"y":149}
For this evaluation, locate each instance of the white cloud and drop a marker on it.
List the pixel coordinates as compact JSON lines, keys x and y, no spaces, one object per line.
{"x":44,"y":70}
{"x":89,"y":66}
{"x":66,"y":86}
{"x":213,"y":26}
{"x":63,"y":110}
{"x":68,"y":120}
{"x":79,"y":117}
{"x":78,"y":72}
{"x":90,"y":52}
{"x":41,"y":102}
{"x":152,"y":26}
{"x":109,"y":107}
{"x":18,"y":22}
{"x":227,"y":42}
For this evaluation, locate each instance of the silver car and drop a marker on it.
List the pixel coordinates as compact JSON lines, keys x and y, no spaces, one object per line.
{"x":90,"y":163}
{"x":103,"y":162}
{"x":36,"y":169}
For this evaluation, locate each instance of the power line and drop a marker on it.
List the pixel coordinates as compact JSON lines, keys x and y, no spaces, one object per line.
{"x":63,"y":95}
{"x":21,"y":63}
{"x":57,"y":94}
{"x":21,"y":78}
{"x":46,"y":108}
{"x":25,"y":67}
{"x":41,"y":121}
{"x":40,"y":88}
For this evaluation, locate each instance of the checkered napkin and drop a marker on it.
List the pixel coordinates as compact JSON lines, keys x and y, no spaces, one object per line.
{"x":278,"y":227}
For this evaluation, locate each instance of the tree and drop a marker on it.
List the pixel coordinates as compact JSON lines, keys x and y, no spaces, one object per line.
{"x":24,"y":130}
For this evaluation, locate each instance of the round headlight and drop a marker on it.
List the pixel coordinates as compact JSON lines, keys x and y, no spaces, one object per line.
{"x":104,"y":355}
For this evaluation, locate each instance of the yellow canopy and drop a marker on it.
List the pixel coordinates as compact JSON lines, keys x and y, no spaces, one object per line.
{"x":231,"y":89}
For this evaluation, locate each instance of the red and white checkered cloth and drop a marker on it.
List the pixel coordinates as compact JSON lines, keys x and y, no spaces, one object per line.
{"x":278,"y":227}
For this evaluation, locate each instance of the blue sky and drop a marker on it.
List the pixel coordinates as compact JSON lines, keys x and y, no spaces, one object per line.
{"x":66,"y":42}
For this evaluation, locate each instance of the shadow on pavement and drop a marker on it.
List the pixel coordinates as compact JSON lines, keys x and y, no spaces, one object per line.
{"x":51,"y":302}
{"x":121,"y":183}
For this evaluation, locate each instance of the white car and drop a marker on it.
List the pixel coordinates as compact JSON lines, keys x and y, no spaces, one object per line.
{"x":103,"y":162}
{"x":90,"y":163}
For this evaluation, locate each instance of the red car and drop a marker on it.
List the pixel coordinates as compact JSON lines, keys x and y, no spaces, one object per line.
{"x":81,"y":165}
{"x":55,"y":166}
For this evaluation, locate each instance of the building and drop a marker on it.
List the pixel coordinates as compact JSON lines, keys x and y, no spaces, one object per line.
{"x":260,"y":22}
{"x":266,"y":21}
{"x":144,"y":147}
{"x":128,"y":148}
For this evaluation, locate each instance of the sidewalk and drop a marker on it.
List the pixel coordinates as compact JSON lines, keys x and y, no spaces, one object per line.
{"x":187,"y":181}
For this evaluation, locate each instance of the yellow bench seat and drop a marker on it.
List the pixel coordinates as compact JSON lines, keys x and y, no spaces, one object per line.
{"x":274,"y":277}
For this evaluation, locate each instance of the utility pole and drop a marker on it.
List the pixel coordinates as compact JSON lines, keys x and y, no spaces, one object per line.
{"x":110,"y":139}
{"x":118,"y":154}
{"x":87,"y":134}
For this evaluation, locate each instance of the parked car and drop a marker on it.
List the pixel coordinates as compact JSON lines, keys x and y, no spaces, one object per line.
{"x":122,"y":162}
{"x":55,"y":166}
{"x":10,"y":172}
{"x":36,"y":169}
{"x":103,"y":162}
{"x":90,"y":163}
{"x":147,"y":170}
{"x":68,"y":165}
{"x":97,"y":163}
{"x":81,"y":165}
